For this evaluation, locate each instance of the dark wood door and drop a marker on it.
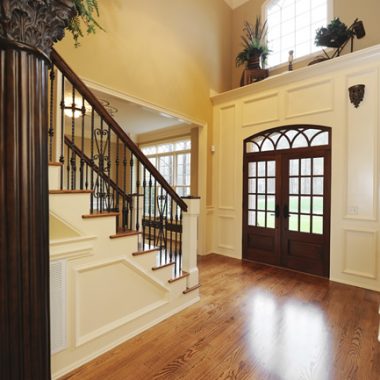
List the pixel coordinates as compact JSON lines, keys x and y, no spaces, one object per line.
{"x":286,"y":208}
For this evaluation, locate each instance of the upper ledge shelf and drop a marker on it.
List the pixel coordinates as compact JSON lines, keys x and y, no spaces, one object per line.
{"x":351,"y":60}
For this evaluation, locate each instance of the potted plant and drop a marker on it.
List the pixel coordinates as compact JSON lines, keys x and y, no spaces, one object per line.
{"x":255,"y":49}
{"x":86,"y":10}
{"x":254,"y":53}
{"x":334,"y":35}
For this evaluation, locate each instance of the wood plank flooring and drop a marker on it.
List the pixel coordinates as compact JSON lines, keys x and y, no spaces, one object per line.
{"x":255,"y":322}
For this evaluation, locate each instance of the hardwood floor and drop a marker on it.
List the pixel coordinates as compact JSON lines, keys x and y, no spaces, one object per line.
{"x":255,"y":322}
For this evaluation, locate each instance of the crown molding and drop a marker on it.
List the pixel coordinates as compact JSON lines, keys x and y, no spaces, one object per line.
{"x":235,"y":3}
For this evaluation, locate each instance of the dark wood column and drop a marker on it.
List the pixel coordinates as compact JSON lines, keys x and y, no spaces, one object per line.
{"x":27,"y":31}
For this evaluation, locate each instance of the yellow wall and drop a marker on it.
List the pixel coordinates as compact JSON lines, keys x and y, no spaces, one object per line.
{"x":347,"y":10}
{"x":168,"y":52}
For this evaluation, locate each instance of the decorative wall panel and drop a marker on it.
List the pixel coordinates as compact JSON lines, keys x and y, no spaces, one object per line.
{"x":260,"y":110}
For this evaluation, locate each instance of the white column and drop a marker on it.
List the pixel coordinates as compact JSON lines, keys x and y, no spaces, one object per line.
{"x":190,"y":240}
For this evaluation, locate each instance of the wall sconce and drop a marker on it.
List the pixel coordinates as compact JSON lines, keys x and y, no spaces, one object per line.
{"x":356,"y":94}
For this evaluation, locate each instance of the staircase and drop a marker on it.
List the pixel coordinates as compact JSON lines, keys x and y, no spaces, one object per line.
{"x":122,"y":242}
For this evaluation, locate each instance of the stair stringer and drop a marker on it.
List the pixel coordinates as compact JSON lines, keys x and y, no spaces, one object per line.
{"x":92,"y":331}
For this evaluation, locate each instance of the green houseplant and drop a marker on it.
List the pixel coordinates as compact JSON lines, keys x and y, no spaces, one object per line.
{"x":86,"y":11}
{"x":255,"y":49}
{"x":334,"y":35}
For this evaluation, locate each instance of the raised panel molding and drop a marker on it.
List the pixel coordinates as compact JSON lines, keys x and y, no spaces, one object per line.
{"x":360,"y":253}
{"x":226,"y":172}
{"x":309,"y":99}
{"x":260,"y":110}
{"x":226,"y":232}
{"x":94,"y":282}
{"x":361,"y":201}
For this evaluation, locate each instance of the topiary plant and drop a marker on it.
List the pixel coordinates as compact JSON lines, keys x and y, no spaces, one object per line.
{"x":86,"y":12}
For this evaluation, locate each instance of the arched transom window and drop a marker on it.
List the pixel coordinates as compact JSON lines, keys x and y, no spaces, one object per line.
{"x":289,"y":137}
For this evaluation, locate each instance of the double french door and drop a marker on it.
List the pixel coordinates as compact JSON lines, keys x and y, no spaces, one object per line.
{"x":286,"y":208}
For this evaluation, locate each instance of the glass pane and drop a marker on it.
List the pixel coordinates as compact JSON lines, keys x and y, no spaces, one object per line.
{"x":251,"y":186}
{"x":267,"y":145}
{"x":283,"y":143}
{"x":183,"y":145}
{"x":293,"y":185}
{"x":305,"y":223}
{"x":270,"y":220}
{"x":318,"y":185}
{"x":252,"y":202}
{"x":271,"y":169}
{"x":261,"y":185}
{"x":165,"y":166}
{"x":261,"y":169}
{"x":293,"y":222}
{"x":251,"y":218}
{"x":305,"y":185}
{"x":293,"y":167}
{"x":318,"y":166}
{"x":261,"y":202}
{"x":183,"y":169}
{"x":318,"y":205}
{"x":149,"y":150}
{"x":305,"y":205}
{"x":300,"y":141}
{"x":252,"y":169}
{"x":321,"y":139}
{"x":293,"y":204}
{"x":251,"y":147}
{"x":306,"y":166}
{"x":317,"y":225}
{"x":261,"y":219}
{"x":164,"y":148}
{"x":271,"y":185}
{"x":271,"y":202}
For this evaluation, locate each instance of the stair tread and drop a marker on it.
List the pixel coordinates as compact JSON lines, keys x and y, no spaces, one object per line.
{"x":55,"y":164}
{"x":70,"y":191}
{"x":163,"y":265}
{"x":139,"y":253}
{"x":179,"y":277}
{"x":125,"y":233}
{"x":188,"y":290}
{"x":100,"y":214}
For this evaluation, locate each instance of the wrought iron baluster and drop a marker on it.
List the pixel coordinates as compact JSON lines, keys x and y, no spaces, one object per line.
{"x":92,"y":160}
{"x":155,"y":211}
{"x":150,"y":209}
{"x":171,"y":230}
{"x":68,"y":168}
{"x":62,"y":156}
{"x":176,"y":252}
{"x":166,"y":227}
{"x":125,"y":208}
{"x":144,"y":208}
{"x":51,"y":110}
{"x":73,"y":157}
{"x":81,"y":168}
{"x":117,"y":162}
{"x":109,"y":193}
{"x":86,"y":182}
{"x":180,"y":241}
{"x":131,"y":192}
{"x":101,"y":168}
{"x":138,"y":197}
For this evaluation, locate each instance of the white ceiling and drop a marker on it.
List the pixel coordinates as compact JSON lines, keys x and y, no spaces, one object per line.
{"x":235,"y":3}
{"x":136,"y":119}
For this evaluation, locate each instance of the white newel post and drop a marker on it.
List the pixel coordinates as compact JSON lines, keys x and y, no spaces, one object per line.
{"x":190,"y":240}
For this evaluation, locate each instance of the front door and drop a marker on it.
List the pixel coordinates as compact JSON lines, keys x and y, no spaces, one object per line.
{"x":286,"y":208}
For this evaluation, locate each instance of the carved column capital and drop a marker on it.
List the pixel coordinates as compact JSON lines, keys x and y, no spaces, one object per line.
{"x":34,"y":23}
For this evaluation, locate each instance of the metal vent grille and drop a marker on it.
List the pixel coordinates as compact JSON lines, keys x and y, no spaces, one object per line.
{"x":58,"y":327}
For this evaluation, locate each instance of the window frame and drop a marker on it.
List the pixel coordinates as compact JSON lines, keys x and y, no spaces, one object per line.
{"x":330,"y":16}
{"x":174,"y":154}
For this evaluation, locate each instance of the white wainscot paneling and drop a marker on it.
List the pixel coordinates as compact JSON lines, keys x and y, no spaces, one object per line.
{"x":111,"y":293}
{"x":260,"y":110}
{"x":226,"y":155}
{"x":309,"y":99}
{"x":361,"y":150}
{"x":226,"y":232}
{"x":360,"y":253}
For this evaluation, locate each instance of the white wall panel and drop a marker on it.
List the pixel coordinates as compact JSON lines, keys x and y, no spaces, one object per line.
{"x":362,"y":149}
{"x":260,"y":110}
{"x":309,"y":99}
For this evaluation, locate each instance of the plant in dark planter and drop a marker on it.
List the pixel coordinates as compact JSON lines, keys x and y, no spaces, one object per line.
{"x":254,"y":53}
{"x":334,"y":35}
{"x":86,"y":10}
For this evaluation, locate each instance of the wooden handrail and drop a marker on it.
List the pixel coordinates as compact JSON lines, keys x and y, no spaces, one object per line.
{"x":60,"y":63}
